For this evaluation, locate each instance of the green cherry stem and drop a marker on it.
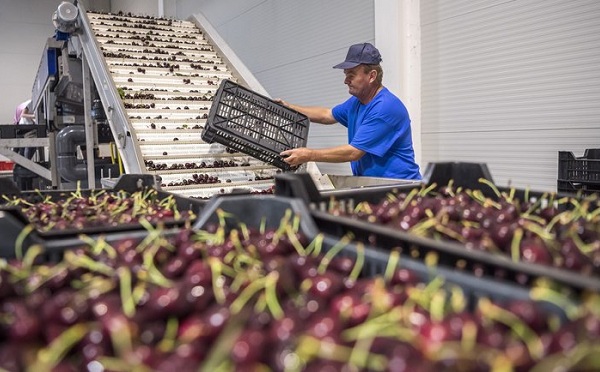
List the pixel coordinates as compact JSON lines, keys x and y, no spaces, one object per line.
{"x":31,"y":254}
{"x":21,"y":239}
{"x":527,"y":335}
{"x":427,"y":190}
{"x":216,"y":268}
{"x":271,"y":295}
{"x":49,"y":357}
{"x":338,"y":246}
{"x":469,"y":336}
{"x":83,"y":261}
{"x":168,"y":342}
{"x":291,"y":234}
{"x":392,"y":265}
{"x":244,"y":297}
{"x":515,"y":245}
{"x":491,"y":185}
{"x":436,"y":306}
{"x":409,"y":198}
{"x":126,"y":292}
{"x":359,"y":264}
{"x":549,"y":295}
{"x":315,"y":247}
{"x":458,"y":301}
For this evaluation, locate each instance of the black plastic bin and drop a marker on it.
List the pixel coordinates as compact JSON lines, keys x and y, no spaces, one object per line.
{"x":268,"y":209}
{"x":13,"y":221}
{"x":254,"y":124}
{"x":467,"y":175}
{"x":449,"y":254}
{"x":579,"y":174}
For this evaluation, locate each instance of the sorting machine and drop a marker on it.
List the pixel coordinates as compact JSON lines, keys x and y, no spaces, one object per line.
{"x":118,"y":93}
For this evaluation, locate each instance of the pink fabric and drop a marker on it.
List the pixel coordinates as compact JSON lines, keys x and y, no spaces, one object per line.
{"x":19,"y":111}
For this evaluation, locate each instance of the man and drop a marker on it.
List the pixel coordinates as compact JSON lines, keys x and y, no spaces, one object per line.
{"x":379,"y":134}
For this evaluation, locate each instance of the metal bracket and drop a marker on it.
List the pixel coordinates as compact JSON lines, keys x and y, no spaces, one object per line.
{"x":6,"y":146}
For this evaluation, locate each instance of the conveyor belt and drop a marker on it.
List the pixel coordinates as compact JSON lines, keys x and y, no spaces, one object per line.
{"x":167,"y":73}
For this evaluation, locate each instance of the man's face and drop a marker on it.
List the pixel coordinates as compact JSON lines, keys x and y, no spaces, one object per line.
{"x":357,"y":80}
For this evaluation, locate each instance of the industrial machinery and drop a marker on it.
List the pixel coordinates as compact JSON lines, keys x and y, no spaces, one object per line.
{"x":119,"y":93}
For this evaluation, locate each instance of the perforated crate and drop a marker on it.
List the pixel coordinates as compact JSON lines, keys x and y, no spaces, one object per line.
{"x":448,"y":253}
{"x":585,"y":169}
{"x":254,"y":124}
{"x":13,"y":221}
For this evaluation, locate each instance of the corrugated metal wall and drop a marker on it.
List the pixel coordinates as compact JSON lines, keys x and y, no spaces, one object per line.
{"x":510,"y":83}
{"x":291,"y":46}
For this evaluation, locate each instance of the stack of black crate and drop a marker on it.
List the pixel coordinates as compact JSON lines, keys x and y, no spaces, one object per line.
{"x":579,"y":174}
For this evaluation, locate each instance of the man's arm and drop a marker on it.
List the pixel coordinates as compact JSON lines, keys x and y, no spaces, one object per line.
{"x":338,"y":154}
{"x":321,"y":115}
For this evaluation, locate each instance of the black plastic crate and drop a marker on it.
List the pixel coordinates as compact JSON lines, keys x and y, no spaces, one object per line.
{"x":452,"y":256}
{"x":466,"y":175}
{"x":254,"y":124}
{"x":269,"y":211}
{"x":13,"y":221}
{"x":577,"y":188}
{"x":585,"y":169}
{"x":252,"y":211}
{"x":449,"y":254}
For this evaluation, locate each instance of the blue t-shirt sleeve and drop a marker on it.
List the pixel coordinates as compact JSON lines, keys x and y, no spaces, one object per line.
{"x":378,"y":133}
{"x":340,"y":112}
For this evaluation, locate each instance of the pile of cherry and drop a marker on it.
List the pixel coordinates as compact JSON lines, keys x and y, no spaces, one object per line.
{"x":561,"y":232}
{"x":266,"y":299}
{"x":101,"y":208}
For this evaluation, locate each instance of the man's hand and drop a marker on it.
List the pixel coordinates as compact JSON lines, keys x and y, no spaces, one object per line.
{"x":281,"y":102}
{"x":296,"y":157}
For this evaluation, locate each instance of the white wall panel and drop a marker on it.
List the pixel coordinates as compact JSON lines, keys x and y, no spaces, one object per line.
{"x":510,"y":83}
{"x":25,"y":25}
{"x":291,"y":46}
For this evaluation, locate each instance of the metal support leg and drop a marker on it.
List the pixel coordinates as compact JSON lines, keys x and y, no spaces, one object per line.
{"x":90,"y":130}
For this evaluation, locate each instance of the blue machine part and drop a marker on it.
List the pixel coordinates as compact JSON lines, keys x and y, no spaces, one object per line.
{"x":61,"y":36}
{"x":47,"y":74}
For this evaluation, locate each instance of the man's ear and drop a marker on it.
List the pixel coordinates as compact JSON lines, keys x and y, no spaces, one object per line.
{"x":373,"y":76}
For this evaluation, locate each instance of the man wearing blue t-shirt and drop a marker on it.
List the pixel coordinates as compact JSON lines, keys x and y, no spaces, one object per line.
{"x":379,"y":135}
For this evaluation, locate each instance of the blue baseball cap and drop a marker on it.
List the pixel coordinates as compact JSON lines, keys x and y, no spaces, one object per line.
{"x":359,"y":54}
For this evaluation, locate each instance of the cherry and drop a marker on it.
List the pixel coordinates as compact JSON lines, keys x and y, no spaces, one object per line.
{"x":25,"y":327}
{"x":248,"y":348}
{"x":325,"y":285}
{"x":564,"y":339}
{"x":493,"y":336}
{"x":287,"y":279}
{"x":152,"y":332}
{"x":282,"y":330}
{"x":342,"y":265}
{"x":433,"y":334}
{"x":198,"y":272}
{"x":175,"y":267}
{"x":502,"y":234}
{"x":535,"y":251}
{"x":404,"y":276}
{"x":204,"y":326}
{"x":11,"y":356}
{"x":530,"y":313}
{"x":324,"y":326}
{"x":95,"y":344}
{"x":350,"y":307}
